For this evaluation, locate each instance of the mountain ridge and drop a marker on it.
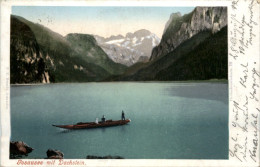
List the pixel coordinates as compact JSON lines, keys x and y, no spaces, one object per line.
{"x":62,"y":63}
{"x":184,"y":27}
{"x":87,"y":48}
{"x":129,"y":49}
{"x":191,"y":41}
{"x":197,"y":65}
{"x":183,"y":34}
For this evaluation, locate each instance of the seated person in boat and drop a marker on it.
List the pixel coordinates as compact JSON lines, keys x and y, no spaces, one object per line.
{"x":103,"y":119}
{"x":123,"y":115}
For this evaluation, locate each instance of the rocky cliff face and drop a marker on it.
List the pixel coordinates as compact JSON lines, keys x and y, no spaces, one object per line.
{"x":26,"y":57}
{"x":40,"y":55}
{"x":208,"y":60}
{"x":134,"y":47}
{"x":180,"y":28}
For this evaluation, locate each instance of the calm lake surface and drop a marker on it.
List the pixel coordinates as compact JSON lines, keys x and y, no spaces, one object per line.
{"x":169,"y":120}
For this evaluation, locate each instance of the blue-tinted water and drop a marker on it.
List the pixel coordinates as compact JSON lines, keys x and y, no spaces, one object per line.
{"x":169,"y":120}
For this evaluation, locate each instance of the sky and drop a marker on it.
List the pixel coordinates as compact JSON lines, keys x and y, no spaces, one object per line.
{"x":102,"y":21}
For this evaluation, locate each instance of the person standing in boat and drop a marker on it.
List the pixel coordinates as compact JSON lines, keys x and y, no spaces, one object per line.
{"x":103,"y":118}
{"x":123,"y":115}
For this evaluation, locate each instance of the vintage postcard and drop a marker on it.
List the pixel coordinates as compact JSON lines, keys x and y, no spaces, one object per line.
{"x":130,"y":83}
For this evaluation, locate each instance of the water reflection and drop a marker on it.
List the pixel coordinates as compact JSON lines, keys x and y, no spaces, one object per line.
{"x":123,"y":128}
{"x":210,"y":91}
{"x":66,"y":131}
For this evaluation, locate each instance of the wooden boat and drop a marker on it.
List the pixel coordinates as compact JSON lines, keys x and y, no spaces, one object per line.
{"x":87,"y":125}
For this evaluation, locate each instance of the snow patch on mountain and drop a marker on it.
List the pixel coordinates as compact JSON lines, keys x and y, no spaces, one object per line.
{"x":115,"y":41}
{"x":134,"y":47}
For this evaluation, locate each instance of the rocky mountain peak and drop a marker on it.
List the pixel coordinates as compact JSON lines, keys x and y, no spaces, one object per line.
{"x":172,"y":17}
{"x":175,"y":15}
{"x":180,"y":28}
{"x":115,"y":37}
{"x":82,"y":37}
{"x":142,"y":33}
{"x":211,"y":18}
{"x":134,"y":47}
{"x":129,"y":35}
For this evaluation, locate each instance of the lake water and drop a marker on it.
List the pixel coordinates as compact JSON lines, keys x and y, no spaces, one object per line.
{"x":168,"y":120}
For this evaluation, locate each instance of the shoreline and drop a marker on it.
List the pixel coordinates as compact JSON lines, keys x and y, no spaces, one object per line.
{"x":187,"y":81}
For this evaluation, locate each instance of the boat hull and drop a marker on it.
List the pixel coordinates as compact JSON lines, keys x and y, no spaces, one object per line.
{"x":89,"y":125}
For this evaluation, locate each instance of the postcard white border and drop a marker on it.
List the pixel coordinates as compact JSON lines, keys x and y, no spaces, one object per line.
{"x":233,"y":74}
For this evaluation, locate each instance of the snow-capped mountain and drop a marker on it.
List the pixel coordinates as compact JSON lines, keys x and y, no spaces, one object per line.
{"x":134,"y":47}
